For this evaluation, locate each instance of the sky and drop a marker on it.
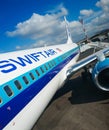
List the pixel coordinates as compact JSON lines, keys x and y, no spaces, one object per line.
{"x":26,"y":24}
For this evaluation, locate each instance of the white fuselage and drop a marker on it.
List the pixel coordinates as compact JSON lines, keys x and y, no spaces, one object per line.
{"x":24,"y":103}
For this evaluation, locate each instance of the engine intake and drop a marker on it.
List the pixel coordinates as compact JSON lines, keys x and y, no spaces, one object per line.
{"x":100,"y":75}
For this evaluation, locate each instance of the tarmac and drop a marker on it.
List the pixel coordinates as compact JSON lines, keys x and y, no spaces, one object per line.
{"x":78,"y":105}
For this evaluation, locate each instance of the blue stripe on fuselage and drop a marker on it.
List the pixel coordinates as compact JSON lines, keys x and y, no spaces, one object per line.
{"x":21,"y":100}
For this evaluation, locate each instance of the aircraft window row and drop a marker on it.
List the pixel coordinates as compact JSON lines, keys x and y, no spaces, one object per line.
{"x":44,"y":68}
{"x":50,"y":65}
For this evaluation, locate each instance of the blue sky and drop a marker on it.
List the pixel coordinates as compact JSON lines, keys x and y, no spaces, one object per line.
{"x":31,"y":23}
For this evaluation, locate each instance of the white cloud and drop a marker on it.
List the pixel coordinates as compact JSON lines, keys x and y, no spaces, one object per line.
{"x":104,"y":4}
{"x":35,"y":27}
{"x":59,"y":11}
{"x":39,"y":25}
{"x":99,"y":20}
{"x":49,"y":29}
{"x":86,"y":12}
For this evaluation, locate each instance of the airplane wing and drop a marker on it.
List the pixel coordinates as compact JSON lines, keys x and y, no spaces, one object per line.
{"x":100,"y":72}
{"x":98,"y":44}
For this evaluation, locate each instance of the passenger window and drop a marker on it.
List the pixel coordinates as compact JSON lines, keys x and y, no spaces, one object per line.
{"x":37,"y":72}
{"x":59,"y":59}
{"x":25,"y":80}
{"x":42,"y":69}
{"x":49,"y":65}
{"x":32,"y":76}
{"x":0,"y":100}
{"x":8,"y":90}
{"x":54,"y":62}
{"x":45,"y":67}
{"x":18,"y":85}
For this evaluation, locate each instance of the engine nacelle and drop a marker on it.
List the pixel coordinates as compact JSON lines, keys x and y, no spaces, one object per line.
{"x":100,"y":74}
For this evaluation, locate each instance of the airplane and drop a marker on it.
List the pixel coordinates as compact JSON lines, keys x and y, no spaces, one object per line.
{"x":30,"y":78}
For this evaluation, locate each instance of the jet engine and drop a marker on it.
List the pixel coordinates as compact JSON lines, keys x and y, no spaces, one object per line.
{"x":100,"y":74}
